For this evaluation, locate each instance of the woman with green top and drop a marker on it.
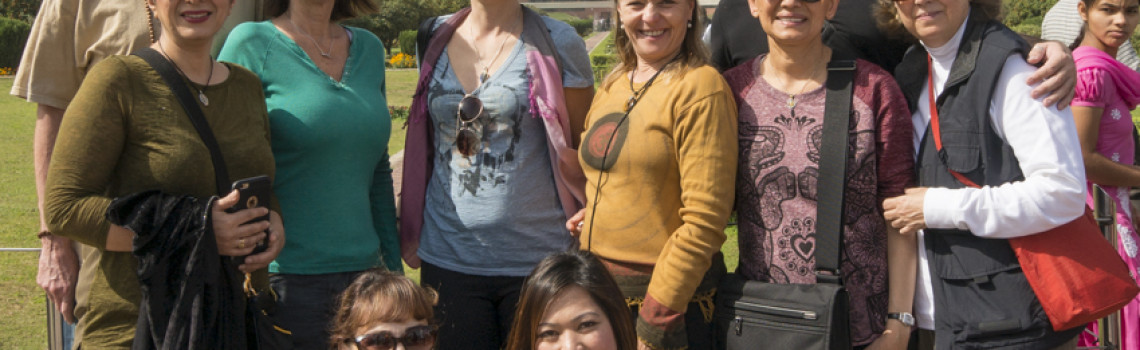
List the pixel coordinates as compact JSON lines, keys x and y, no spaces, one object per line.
{"x":124,"y":133}
{"x":328,"y":112}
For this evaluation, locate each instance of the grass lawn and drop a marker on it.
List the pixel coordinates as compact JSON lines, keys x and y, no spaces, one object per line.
{"x":22,"y":311}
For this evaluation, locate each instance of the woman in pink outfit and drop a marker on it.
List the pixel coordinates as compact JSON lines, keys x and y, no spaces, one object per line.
{"x":1106,"y":92}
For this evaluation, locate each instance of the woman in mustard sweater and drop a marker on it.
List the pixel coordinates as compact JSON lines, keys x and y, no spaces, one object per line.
{"x":659,"y":156}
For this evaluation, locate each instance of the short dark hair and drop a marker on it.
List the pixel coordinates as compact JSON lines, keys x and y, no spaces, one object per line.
{"x":557,"y":273}
{"x":342,"y":9}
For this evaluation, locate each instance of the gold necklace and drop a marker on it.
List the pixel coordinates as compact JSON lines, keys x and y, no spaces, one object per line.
{"x":485,"y":73}
{"x":791,"y":102}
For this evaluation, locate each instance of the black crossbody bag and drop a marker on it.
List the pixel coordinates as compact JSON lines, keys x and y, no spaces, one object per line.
{"x":261,"y":332}
{"x":754,"y":314}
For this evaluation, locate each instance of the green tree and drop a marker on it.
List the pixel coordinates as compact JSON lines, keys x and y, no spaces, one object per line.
{"x":396,"y":16}
{"x":24,"y":10}
{"x":1019,"y":11}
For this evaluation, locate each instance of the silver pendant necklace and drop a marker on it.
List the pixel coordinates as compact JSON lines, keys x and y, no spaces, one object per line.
{"x":485,"y":73}
{"x":325,"y":54}
{"x":202,"y":91}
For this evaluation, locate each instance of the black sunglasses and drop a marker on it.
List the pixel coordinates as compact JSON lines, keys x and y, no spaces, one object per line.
{"x":466,"y":137}
{"x":415,"y":338}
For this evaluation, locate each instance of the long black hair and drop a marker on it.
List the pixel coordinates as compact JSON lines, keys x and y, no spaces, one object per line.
{"x":557,"y":273}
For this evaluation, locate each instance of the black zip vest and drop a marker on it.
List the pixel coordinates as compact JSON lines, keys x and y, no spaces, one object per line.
{"x":981,"y":298}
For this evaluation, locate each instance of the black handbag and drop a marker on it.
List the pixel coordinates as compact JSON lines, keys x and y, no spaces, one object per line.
{"x":754,"y":314}
{"x":261,"y":332}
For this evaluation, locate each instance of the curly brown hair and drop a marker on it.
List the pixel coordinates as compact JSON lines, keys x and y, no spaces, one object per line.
{"x":887,"y":17}
{"x":379,"y":295}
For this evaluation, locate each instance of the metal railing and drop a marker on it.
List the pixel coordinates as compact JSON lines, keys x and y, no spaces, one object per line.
{"x":1108,"y":328}
{"x":54,"y":318}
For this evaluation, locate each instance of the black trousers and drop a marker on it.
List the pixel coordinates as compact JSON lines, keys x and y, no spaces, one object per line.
{"x":474,"y":312}
{"x":306,"y":305}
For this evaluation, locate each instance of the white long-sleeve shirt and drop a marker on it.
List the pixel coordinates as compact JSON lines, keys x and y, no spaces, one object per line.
{"x":1048,"y":150}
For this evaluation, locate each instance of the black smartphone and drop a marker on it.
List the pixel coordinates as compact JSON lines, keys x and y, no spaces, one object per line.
{"x":254,"y":192}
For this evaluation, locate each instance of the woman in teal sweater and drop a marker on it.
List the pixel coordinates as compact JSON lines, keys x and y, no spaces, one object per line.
{"x":328,"y":114}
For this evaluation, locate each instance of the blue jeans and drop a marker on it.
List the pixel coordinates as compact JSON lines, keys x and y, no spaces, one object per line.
{"x":68,"y":335}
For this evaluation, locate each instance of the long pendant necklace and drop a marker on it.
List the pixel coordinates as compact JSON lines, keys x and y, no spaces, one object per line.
{"x":202,"y":91}
{"x":325,"y":54}
{"x":484,"y":74}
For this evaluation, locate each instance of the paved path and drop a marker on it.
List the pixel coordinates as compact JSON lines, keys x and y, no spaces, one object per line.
{"x":594,"y":40}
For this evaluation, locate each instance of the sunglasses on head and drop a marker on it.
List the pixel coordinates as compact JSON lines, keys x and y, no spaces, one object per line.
{"x":414,"y":338}
{"x":470,"y":109}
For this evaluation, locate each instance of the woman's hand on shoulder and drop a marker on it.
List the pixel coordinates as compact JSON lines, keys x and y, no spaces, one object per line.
{"x":1057,"y":75}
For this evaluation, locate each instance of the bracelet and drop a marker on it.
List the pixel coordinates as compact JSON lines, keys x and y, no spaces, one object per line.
{"x":43,"y":234}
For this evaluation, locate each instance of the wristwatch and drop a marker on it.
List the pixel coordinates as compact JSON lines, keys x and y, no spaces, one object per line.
{"x":904,"y":317}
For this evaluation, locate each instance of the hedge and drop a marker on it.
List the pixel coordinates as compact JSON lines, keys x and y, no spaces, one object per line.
{"x":13,"y":36}
{"x":603,"y":59}
{"x":407,"y":40}
{"x":583,"y":26}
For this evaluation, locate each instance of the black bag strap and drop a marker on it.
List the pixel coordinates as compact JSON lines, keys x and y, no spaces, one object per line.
{"x":832,"y":185}
{"x":423,"y":37}
{"x":174,"y":81}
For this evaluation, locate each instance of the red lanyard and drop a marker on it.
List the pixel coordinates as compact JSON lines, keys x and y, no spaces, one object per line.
{"x":937,"y":133}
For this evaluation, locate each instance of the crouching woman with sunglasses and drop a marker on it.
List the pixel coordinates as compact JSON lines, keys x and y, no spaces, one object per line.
{"x":382,"y":309}
{"x":490,"y":172}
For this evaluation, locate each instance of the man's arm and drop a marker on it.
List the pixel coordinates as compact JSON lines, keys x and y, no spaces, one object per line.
{"x":58,"y":265}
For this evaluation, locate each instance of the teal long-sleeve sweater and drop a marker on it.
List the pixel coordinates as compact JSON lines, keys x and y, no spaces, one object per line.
{"x":330,"y":142}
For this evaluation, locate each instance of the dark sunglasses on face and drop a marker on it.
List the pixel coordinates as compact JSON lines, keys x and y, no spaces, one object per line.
{"x":470,"y":109}
{"x":415,"y":338}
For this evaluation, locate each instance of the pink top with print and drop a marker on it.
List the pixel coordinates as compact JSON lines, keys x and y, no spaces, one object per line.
{"x":776,"y":184}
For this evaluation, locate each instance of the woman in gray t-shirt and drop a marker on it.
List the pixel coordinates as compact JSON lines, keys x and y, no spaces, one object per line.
{"x":492,"y":206}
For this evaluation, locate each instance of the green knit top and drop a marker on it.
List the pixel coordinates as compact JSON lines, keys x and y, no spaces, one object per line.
{"x":123,"y":133}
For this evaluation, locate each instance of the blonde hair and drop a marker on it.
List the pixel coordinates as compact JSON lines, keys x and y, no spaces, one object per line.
{"x":379,"y":295}
{"x":693,"y":53}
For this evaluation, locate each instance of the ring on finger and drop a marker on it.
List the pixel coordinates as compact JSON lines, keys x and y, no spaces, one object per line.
{"x":241,"y":243}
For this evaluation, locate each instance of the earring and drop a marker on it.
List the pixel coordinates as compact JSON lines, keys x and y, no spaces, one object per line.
{"x":689,"y":24}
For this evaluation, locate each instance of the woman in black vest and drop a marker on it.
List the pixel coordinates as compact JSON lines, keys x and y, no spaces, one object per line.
{"x":993,"y":164}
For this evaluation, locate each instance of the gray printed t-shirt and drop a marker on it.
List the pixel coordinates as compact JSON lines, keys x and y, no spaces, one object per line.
{"x":497,"y":212}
